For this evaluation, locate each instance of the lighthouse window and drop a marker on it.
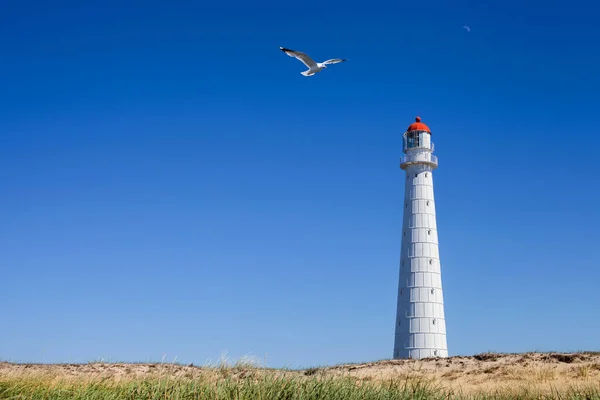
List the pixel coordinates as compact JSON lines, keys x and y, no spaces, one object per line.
{"x":431,"y":291}
{"x":426,"y":174}
{"x":435,"y":352}
{"x":429,"y":232}
{"x":415,"y":175}
{"x":404,"y":233}
{"x":427,"y":202}
{"x":430,"y":261}
{"x":433,"y":321}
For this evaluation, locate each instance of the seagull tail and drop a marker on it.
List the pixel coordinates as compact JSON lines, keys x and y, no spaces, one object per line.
{"x":307,"y":73}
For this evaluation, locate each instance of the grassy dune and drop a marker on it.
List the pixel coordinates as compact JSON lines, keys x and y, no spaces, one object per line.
{"x":263,"y":388}
{"x":485,"y":376}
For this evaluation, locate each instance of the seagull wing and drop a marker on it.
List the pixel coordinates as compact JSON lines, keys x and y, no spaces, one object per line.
{"x":334,"y":61}
{"x":300,"y":56}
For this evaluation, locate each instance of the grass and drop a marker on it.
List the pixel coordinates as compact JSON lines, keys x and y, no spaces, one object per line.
{"x":250,"y":387}
{"x":228,"y":388}
{"x":483,"y":376}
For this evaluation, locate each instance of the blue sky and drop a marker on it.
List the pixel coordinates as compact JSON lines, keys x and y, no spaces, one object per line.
{"x":171,"y":186}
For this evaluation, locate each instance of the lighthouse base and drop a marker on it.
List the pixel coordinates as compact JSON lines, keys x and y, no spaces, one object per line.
{"x":419,"y":354}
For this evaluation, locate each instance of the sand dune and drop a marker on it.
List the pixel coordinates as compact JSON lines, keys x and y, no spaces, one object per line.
{"x":542,"y":372}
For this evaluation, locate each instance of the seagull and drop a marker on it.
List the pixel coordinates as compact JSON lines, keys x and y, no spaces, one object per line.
{"x":313,"y":67}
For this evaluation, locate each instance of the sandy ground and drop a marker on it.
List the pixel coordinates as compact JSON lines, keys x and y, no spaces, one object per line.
{"x":540,"y":372}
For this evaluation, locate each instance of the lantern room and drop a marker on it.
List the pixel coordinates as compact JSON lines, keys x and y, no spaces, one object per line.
{"x":418,"y":136}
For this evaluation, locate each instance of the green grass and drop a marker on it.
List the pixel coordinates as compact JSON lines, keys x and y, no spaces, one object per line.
{"x":250,"y":388}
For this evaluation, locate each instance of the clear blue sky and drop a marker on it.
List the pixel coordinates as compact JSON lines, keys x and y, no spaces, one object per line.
{"x":172,"y":186}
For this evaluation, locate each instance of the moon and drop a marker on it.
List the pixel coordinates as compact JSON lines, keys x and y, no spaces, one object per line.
{"x":467,"y":28}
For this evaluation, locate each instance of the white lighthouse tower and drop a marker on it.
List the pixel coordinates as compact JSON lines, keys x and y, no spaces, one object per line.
{"x":420,"y":322}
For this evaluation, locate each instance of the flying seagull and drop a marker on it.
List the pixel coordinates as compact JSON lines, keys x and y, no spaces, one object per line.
{"x":313,"y":67}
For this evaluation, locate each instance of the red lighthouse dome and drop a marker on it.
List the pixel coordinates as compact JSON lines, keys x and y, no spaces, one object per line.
{"x":418,"y":126}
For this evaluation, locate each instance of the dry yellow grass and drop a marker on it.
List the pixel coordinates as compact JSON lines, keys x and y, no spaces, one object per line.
{"x":488,"y":373}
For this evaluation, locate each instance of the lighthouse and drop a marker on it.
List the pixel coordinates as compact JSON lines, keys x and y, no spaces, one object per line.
{"x":420,"y":322}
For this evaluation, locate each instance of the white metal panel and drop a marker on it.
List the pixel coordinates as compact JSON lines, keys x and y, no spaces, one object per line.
{"x":429,"y":312}
{"x":416,"y":265}
{"x":414,"y":325}
{"x":437,"y":341}
{"x":419,"y":279}
{"x":442,"y":326}
{"x":427,"y":281}
{"x":419,"y":340}
{"x":424,"y":262}
{"x":411,"y":310}
{"x":420,"y":310}
{"x":415,"y":295}
{"x":429,"y":267}
{"x":428,"y":192}
{"x":436,"y":280}
{"x":429,"y":340}
{"x":434,"y":251}
{"x":435,"y":325}
{"x":428,"y":327}
{"x":414,"y":235}
{"x":423,"y":250}
{"x":439,"y":310}
{"x":431,"y":221}
{"x":429,"y":296}
{"x":417,"y":235}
